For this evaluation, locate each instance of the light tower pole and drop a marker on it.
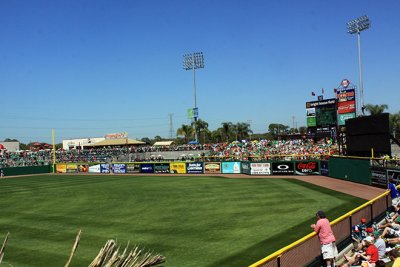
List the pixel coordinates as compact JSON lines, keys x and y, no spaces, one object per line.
{"x":357,"y":26}
{"x":194,"y":61}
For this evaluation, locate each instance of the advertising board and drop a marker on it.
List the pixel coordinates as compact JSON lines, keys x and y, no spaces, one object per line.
{"x":161,"y":168}
{"x":147,"y":168}
{"x":343,"y":117}
{"x":246,"y":169}
{"x":212,"y":167}
{"x":61,"y":168}
{"x":94,"y":168}
{"x":105,"y":168}
{"x":260,"y":168}
{"x":324,"y":167}
{"x":311,"y":121}
{"x":346,"y":107}
{"x":230,"y":167}
{"x":178,"y":167}
{"x":132,"y":167}
{"x":194,"y":167}
{"x":346,"y":95}
{"x":306,"y":167}
{"x":282,"y":168}
{"x":72,"y":167}
{"x":119,"y":168}
{"x":83,"y":168}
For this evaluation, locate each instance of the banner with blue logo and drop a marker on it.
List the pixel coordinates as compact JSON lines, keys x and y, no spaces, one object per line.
{"x":105,"y":168}
{"x":119,"y":168}
{"x":194,"y":167}
{"x":147,"y":168}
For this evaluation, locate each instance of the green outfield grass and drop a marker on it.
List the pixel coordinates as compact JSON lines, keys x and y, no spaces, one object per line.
{"x":192,"y":220}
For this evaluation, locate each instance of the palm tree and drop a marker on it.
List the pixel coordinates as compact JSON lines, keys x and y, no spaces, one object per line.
{"x":376,"y":109}
{"x":227,"y":128}
{"x":201,"y":127}
{"x":394,"y":123}
{"x":242,"y":130}
{"x":186,"y":131}
{"x":217,"y":136}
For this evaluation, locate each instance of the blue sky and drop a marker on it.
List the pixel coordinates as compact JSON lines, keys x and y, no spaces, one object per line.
{"x":88,"y":68}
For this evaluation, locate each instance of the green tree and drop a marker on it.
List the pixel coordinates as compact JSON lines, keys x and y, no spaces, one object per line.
{"x":376,"y":109}
{"x":227,"y":130}
{"x":302,"y":129}
{"x":275,"y":129}
{"x":146,"y":140}
{"x":394,"y":124}
{"x":201,"y":128}
{"x":157,"y":138}
{"x":186,"y":131}
{"x":242,"y":130}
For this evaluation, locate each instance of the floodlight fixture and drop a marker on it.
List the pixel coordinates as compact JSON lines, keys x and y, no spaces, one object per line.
{"x":193,"y":61}
{"x":357,"y":26}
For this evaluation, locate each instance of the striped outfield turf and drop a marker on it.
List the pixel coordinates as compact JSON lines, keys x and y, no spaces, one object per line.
{"x":192,"y":220}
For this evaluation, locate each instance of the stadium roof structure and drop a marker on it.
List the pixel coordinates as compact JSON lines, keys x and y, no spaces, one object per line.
{"x":163,"y":143}
{"x":117,"y":142}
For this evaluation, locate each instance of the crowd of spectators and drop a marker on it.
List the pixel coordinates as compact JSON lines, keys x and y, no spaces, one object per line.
{"x":272,"y":148}
{"x":243,"y":150}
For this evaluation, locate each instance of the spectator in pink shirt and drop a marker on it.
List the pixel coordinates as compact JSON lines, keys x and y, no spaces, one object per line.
{"x":326,"y":238}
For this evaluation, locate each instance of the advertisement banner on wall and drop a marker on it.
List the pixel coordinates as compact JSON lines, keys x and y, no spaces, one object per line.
{"x":61,"y":168}
{"x":378,"y":177}
{"x":246,"y":169}
{"x":119,"y":168}
{"x":147,"y":168}
{"x":311,"y":121}
{"x":94,"y":168}
{"x":178,"y":167}
{"x":230,"y":167}
{"x":282,"y":168}
{"x":161,"y":168}
{"x":194,"y":167}
{"x":132,"y":167}
{"x":307,"y":167}
{"x":72,"y":167}
{"x":343,"y":117}
{"x":346,"y":107}
{"x":261,"y":168}
{"x":105,"y":168}
{"x":346,"y":95}
{"x":212,"y":167}
{"x":324,"y":167}
{"x":83,"y":168}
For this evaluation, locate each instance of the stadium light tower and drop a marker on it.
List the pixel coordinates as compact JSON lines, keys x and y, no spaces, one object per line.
{"x":357,"y":26}
{"x":194,"y":61}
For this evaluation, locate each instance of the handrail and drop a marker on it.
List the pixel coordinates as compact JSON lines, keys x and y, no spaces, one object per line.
{"x":281,"y":251}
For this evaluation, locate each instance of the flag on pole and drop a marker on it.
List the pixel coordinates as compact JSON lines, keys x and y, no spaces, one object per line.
{"x":323,"y":91}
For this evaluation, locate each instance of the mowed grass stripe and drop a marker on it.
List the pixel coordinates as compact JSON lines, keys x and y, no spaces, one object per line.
{"x":193,"y":221}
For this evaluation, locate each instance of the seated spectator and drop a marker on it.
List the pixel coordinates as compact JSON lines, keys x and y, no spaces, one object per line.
{"x":371,"y":254}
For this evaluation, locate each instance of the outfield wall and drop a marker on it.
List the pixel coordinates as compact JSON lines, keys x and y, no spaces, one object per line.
{"x":301,"y":167}
{"x":11,"y":171}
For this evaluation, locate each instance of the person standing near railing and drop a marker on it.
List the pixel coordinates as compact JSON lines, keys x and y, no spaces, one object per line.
{"x":326,"y":238}
{"x":394,"y":194}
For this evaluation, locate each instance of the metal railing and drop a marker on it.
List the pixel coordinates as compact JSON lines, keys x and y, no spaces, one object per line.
{"x":305,"y":250}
